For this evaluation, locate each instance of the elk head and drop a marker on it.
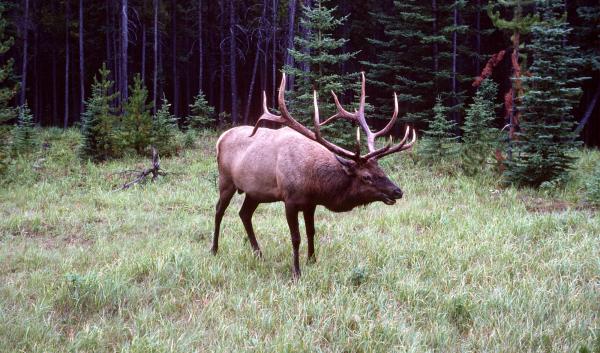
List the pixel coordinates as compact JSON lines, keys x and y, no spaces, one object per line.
{"x":369,"y":183}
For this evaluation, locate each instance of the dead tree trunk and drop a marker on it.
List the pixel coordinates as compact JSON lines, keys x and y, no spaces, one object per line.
{"x":81,"y":59}
{"x":67,"y":54}
{"x":124,"y":48}
{"x":25,"y":45}
{"x":256,"y":60}
{"x":155,"y":57}
{"x":233,"y":62}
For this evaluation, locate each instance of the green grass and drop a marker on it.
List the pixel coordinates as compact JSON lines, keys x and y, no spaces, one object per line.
{"x":459,"y":264}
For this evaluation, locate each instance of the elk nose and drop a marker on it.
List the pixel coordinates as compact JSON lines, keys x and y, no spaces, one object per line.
{"x":397,"y":193}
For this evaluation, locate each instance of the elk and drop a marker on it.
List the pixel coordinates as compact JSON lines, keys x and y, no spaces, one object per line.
{"x":301,"y":168}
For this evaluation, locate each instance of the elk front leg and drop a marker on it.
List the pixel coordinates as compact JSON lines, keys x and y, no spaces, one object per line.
{"x":309,"y":222}
{"x":291,"y":214}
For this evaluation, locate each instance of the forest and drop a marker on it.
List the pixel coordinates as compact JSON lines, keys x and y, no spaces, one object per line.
{"x":113,"y":118}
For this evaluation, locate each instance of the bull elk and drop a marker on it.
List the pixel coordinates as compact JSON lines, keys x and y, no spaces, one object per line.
{"x":301,"y":168}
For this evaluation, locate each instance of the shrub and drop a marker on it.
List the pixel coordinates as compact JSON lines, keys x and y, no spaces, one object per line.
{"x":23,"y":134}
{"x":479,"y":137}
{"x":202,"y":113}
{"x":439,"y":142}
{"x":136,"y":127}
{"x":164,"y":130}
{"x":593,"y":187}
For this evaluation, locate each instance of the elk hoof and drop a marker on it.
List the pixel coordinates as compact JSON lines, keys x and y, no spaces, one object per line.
{"x":214,"y":250}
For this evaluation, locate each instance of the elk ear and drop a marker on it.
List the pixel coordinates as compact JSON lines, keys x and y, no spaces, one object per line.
{"x":348,"y":165}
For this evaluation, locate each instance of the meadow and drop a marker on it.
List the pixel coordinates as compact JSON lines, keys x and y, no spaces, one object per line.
{"x":460,"y":264}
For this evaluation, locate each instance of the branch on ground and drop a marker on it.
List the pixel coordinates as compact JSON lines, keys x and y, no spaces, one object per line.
{"x":141,"y":175}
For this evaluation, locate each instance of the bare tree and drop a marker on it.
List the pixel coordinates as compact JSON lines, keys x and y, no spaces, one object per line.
{"x":81,"y":59}
{"x":174,"y":57}
{"x":25,"y":45}
{"x":124,"y":48}
{"x":289,"y":59}
{"x":67,"y":54}
{"x":155,"y":50}
{"x":261,"y":31}
{"x":232,"y":61}
{"x":222,"y":57}
{"x":200,"y":47}
{"x":274,"y":43}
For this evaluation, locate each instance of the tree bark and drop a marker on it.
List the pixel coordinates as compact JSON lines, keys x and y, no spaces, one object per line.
{"x":81,"y":59}
{"x":232,"y":62}
{"x":25,"y":57}
{"x":200,"y":48}
{"x":256,"y":60}
{"x":274,"y":57}
{"x":143,"y":73}
{"x":588,"y":111}
{"x":289,"y":59}
{"x":155,"y":50}
{"x":124,"y":48}
{"x":66,"y":115}
{"x":454,"y":58}
{"x":174,"y":57}
{"x":222,"y":54}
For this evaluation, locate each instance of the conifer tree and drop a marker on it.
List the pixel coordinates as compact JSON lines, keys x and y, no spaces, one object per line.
{"x":408,"y":59}
{"x":23,"y":134}
{"x":136,"y":127}
{"x":543,"y":150}
{"x":202,"y":113}
{"x":320,"y":52}
{"x":164,"y":129}
{"x":8,"y":88}
{"x":99,"y":121}
{"x":439,"y":141}
{"x":479,"y":136}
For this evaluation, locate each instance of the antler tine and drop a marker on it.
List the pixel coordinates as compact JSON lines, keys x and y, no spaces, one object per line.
{"x":266,"y":116}
{"x":401,"y":146}
{"x":330,"y":146}
{"x":391,"y":123}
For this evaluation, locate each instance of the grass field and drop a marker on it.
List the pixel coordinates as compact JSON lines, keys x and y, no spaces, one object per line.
{"x":459,"y":265}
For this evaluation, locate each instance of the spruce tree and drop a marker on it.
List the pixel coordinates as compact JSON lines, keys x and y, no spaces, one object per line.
{"x":8,"y":88}
{"x":439,"y":142}
{"x":99,"y":121}
{"x":136,"y":127}
{"x":164,"y":130}
{"x":479,"y":136}
{"x":202,"y":113}
{"x":544,"y":146}
{"x":23,"y":134}
{"x":321,"y":52}
{"x":406,"y":62}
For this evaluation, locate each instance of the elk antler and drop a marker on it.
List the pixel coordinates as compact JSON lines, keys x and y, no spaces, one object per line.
{"x":357,"y":117}
{"x":286,"y":119}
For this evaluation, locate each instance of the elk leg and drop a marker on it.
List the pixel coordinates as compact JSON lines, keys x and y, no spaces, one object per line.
{"x":246,"y":212}
{"x":291,"y":214}
{"x":309,"y":222}
{"x":225,"y":194}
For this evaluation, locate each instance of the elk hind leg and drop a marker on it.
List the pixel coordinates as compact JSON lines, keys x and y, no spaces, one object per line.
{"x":246,"y":212}
{"x":226,"y":191}
{"x":291,"y":214}
{"x":309,"y":222}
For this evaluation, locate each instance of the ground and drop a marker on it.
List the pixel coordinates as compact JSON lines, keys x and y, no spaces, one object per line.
{"x":459,"y":264}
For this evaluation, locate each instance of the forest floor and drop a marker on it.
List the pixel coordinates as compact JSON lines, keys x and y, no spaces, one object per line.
{"x":459,"y":264}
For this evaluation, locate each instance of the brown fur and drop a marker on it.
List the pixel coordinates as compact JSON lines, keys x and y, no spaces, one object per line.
{"x":283,"y":165}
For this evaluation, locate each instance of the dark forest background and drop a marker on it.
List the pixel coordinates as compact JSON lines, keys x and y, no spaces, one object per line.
{"x":234,"y":50}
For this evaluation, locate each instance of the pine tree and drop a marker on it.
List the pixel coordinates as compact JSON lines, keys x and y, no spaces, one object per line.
{"x":543,"y":150}
{"x":24,"y":134}
{"x":164,"y":130}
{"x":320,"y":51}
{"x":136,"y":127}
{"x":99,"y":121}
{"x":408,"y":59}
{"x":439,"y":142}
{"x":8,"y":88}
{"x":479,"y":136}
{"x":202,"y":113}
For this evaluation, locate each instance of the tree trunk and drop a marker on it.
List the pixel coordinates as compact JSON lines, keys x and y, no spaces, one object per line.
{"x":155,"y":52}
{"x":66,"y":116}
{"x":256,"y":60}
{"x":588,"y":111}
{"x":55,"y":120}
{"x":200,"y":48}
{"x":434,"y":9}
{"x":81,"y":59}
{"x":222,"y":54}
{"x":25,"y":45}
{"x":37,"y":114}
{"x":143,"y":73}
{"x":289,"y":59}
{"x":124,"y":47}
{"x":274,"y":57}
{"x":174,"y":57}
{"x":454,"y":57}
{"x":478,"y":38}
{"x":232,"y":62}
